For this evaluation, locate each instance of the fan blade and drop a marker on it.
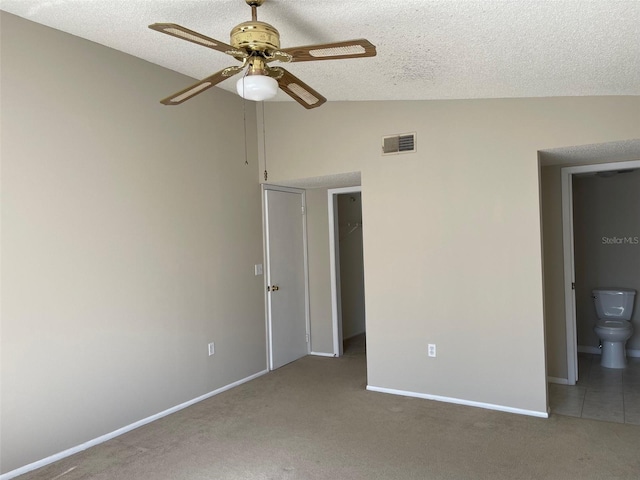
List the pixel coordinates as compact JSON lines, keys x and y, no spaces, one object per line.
{"x":189,"y":35}
{"x":201,"y":86}
{"x":298,"y":90}
{"x":332,"y":51}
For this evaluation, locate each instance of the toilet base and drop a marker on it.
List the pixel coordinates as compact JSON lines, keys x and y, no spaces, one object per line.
{"x":614,"y":355}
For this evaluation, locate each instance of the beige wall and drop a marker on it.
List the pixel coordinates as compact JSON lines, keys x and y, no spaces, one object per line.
{"x":129,"y":235}
{"x":466,"y":273}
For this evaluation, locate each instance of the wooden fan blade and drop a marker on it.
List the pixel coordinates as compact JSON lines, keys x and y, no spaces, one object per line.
{"x":201,"y":86}
{"x":189,"y":35}
{"x":299,"y":91}
{"x":332,"y":51}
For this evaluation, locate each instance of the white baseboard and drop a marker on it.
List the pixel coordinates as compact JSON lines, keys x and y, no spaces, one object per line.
{"x":120,"y":431}
{"x":598,"y":351}
{"x":561,"y":381}
{"x":323,"y":354}
{"x":458,"y":401}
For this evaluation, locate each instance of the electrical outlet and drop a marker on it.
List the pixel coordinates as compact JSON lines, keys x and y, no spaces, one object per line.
{"x":432,"y":349}
{"x":212,"y":348}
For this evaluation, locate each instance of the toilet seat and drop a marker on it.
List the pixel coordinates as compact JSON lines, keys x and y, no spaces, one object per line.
{"x":616,"y":325}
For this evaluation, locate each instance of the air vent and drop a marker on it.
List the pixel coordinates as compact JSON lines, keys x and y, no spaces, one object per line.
{"x":404,"y":143}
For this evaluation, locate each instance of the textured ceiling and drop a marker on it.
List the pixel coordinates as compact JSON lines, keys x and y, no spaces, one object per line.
{"x":622,"y":151}
{"x":338,"y":180}
{"x":427,"y":49}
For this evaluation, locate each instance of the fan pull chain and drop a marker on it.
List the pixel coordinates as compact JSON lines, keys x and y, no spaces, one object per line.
{"x":264,"y":145}
{"x":244,"y":121}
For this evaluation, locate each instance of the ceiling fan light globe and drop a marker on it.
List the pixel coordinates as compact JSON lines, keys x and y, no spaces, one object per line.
{"x":257,"y":87}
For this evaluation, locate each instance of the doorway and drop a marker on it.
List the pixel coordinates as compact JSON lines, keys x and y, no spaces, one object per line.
{"x":568,"y":228}
{"x":287,"y":294}
{"x":347,"y":270}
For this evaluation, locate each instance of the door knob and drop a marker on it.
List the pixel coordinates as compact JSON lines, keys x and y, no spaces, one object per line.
{"x":273,"y":288}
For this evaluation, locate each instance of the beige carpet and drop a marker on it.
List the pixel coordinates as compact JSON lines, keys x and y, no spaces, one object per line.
{"x":313,"y":419}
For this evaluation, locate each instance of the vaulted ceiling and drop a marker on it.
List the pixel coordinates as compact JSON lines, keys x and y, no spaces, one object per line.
{"x":427,"y":49}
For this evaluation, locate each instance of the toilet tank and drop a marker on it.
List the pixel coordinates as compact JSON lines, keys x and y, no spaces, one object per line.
{"x":614,"y":302}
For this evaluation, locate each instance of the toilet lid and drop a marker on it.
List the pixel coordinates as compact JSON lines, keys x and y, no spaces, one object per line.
{"x":614,"y":324}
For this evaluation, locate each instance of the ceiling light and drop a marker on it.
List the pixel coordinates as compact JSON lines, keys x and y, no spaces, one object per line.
{"x":257,"y":87}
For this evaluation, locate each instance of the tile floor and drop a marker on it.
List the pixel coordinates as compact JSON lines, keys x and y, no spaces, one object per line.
{"x":606,"y":394}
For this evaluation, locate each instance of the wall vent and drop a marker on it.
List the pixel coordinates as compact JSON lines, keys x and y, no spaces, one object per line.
{"x":403,"y":143}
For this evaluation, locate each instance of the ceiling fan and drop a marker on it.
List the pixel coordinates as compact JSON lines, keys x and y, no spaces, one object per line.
{"x":256,"y":44}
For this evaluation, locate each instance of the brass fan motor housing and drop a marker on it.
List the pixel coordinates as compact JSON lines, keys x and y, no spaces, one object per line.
{"x":255,"y":37}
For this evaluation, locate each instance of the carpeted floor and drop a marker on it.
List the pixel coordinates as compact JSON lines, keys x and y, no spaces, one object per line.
{"x":313,"y":419}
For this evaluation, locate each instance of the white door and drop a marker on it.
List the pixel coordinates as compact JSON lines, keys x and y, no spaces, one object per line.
{"x":569,"y":276}
{"x":286,"y":276}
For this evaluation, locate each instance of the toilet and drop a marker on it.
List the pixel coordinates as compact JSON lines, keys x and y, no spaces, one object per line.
{"x":614,"y":307}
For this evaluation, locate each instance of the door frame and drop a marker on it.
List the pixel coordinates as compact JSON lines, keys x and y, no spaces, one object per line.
{"x":267,"y":269}
{"x":568,"y":254}
{"x":334,"y":262}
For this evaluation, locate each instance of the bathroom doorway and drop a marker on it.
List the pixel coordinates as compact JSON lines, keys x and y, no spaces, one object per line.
{"x":347,"y":270}
{"x":591,"y":253}
{"x":600,"y":393}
